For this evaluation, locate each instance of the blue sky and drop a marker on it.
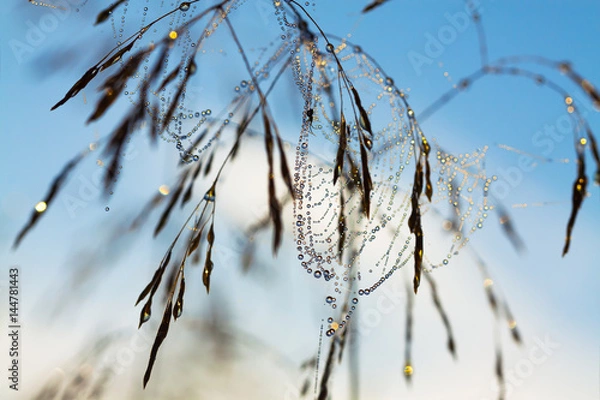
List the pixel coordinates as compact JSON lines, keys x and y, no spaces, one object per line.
{"x":550,"y":296}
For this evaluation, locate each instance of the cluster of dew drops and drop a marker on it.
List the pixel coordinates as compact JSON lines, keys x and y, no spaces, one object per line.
{"x":333,"y":325}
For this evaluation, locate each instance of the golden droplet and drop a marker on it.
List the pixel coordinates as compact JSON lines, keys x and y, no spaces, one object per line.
{"x":408,"y":370}
{"x":569,"y":100}
{"x":447,"y":225}
{"x":487,"y":283}
{"x":163,"y":189}
{"x":570,"y":109}
{"x":178,"y":309}
{"x":512,"y":324}
{"x":93,"y":146}
{"x":583,"y":141}
{"x":41,"y":206}
{"x":173,"y":35}
{"x":335,"y":326}
{"x":145,"y":316}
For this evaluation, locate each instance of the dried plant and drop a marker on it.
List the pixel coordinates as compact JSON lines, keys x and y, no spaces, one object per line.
{"x":345,"y":206}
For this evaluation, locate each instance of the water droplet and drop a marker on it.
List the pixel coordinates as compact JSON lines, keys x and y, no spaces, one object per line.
{"x":41,"y":207}
{"x":106,"y":209}
{"x":209,"y":197}
{"x":145,"y":316}
{"x":184,"y":6}
{"x":178,"y":309}
{"x":163,"y":189}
